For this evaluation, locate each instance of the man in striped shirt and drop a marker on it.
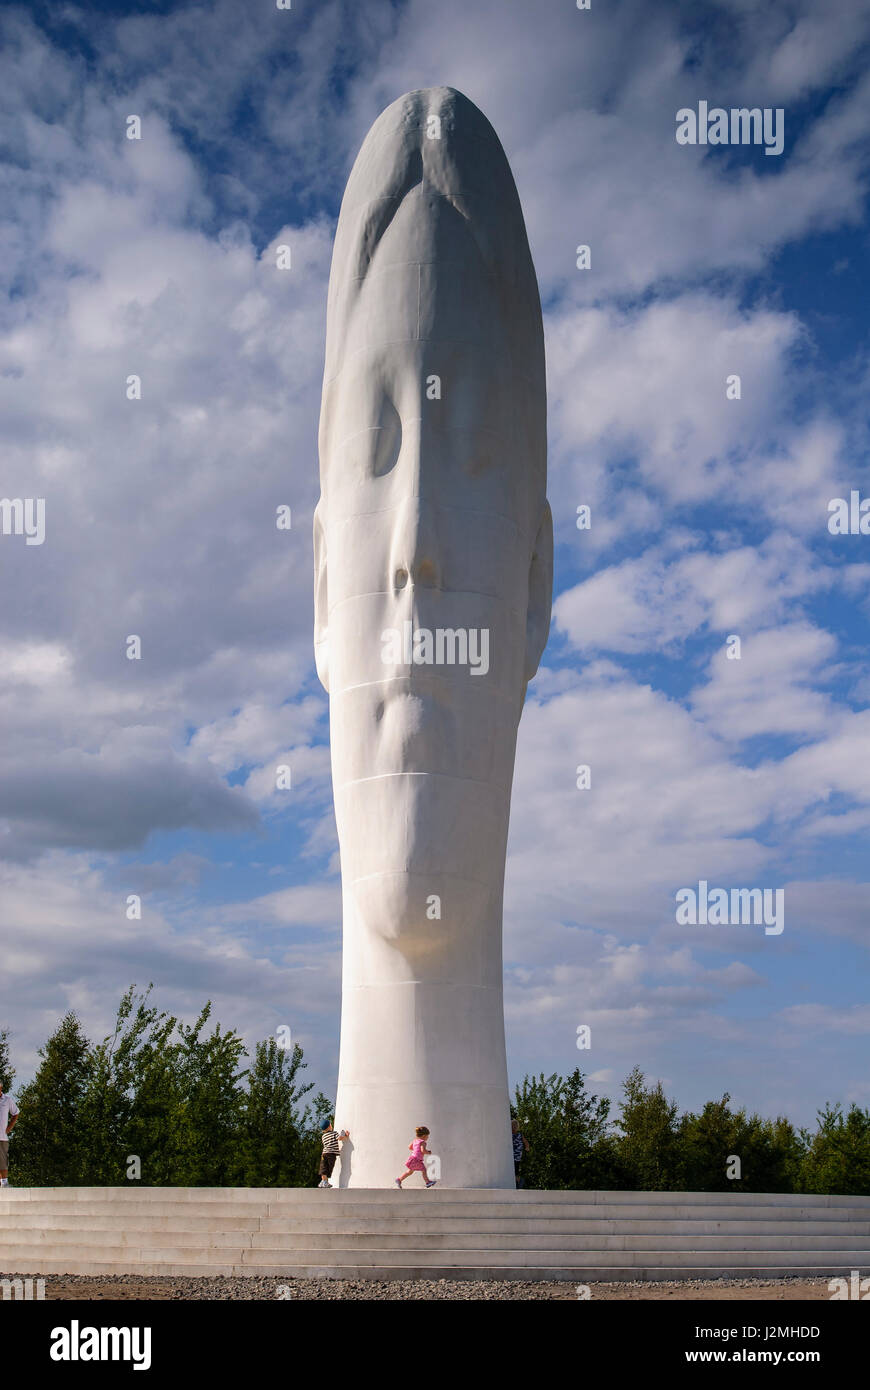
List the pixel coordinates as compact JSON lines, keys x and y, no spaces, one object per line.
{"x":331,"y":1142}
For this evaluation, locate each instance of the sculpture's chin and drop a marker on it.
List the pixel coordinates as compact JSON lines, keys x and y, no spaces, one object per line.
{"x":404,"y":925}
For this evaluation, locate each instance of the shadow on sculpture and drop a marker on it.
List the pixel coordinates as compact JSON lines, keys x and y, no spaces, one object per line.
{"x":345,"y":1163}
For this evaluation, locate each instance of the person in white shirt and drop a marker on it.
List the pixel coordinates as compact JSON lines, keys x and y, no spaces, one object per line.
{"x":8,"y":1121}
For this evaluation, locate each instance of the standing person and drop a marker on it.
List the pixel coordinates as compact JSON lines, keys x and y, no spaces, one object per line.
{"x":330,"y":1149}
{"x":521,"y":1148}
{"x":8,"y":1121}
{"x":416,"y":1163}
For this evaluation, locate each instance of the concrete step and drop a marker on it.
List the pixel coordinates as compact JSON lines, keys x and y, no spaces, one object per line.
{"x":205,"y":1242}
{"x":65,"y":1196}
{"x":118,"y":1238}
{"x":207,"y":1211}
{"x":403,"y":1206}
{"x":114,"y":1211}
{"x":130,"y":1221}
{"x":566,"y":1225}
{"x":402,"y":1226}
{"x":573,"y":1273}
{"x":513,"y":1240}
{"x":372,"y":1195}
{"x":489,"y":1258}
{"x":204,"y":1258}
{"x":292,"y":1233}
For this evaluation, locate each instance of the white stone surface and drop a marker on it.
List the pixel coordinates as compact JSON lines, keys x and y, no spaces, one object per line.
{"x":380,"y":1234}
{"x":434,"y":512}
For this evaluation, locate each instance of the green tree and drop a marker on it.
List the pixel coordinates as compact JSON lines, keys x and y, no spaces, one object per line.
{"x":168,"y":1095}
{"x":127,"y":1110}
{"x":273,"y":1149}
{"x":47,"y":1136}
{"x":838,"y":1153}
{"x":569,"y":1147}
{"x":7,"y":1071}
{"x":649,"y":1147}
{"x":209,"y":1083}
{"x":171,"y":1095}
{"x":770,"y":1151}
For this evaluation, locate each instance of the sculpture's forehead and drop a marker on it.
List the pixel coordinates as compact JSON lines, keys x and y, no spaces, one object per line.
{"x":425,"y":281}
{"x":433,"y":194}
{"x":432,"y":276}
{"x":436,"y":136}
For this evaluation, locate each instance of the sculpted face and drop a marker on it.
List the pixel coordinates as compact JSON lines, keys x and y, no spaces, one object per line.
{"x":433,"y":541}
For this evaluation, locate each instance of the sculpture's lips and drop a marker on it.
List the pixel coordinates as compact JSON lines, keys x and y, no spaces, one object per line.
{"x":413,"y":701}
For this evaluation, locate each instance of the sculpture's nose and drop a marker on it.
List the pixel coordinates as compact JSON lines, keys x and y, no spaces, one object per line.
{"x":417,"y":556}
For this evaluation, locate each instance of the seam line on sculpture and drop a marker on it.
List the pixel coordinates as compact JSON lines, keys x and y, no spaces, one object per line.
{"x":427,"y":589}
{"x":346,"y":439}
{"x":516,"y":372}
{"x":516,"y":376}
{"x":591,"y":1199}
{"x":453,"y":983}
{"x":386,"y":269}
{"x":433,"y":873}
{"x":422,"y":497}
{"x":404,"y":420}
{"x":448,"y":776}
{"x":431,"y":673}
{"x":425,"y":873}
{"x":418,"y":419}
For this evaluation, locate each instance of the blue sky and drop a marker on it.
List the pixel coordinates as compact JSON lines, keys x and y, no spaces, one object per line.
{"x":709,"y":518}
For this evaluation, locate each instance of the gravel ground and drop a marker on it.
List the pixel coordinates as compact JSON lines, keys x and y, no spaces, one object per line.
{"x":202,"y":1288}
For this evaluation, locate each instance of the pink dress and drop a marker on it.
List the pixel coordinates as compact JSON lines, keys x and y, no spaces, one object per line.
{"x":415,"y":1163}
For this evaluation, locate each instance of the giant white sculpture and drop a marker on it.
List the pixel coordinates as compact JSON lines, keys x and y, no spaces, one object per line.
{"x":433,"y":585}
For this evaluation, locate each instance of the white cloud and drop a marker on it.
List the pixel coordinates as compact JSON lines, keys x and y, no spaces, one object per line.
{"x":770,"y":689}
{"x":676,"y":590}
